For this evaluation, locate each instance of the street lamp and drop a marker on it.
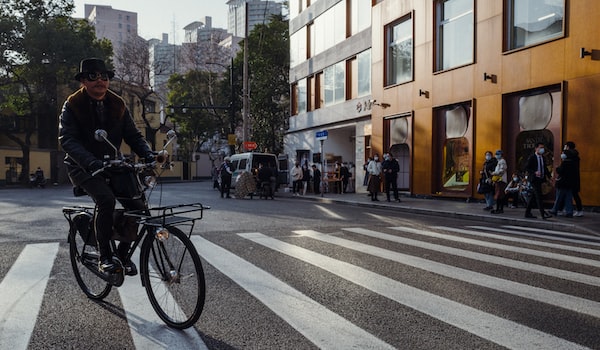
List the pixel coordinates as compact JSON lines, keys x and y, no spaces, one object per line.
{"x":231,"y":106}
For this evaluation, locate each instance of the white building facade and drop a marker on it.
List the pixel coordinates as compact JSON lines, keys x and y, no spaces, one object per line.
{"x":330,"y":77}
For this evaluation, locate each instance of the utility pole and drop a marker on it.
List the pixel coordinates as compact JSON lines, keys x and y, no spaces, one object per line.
{"x":245,"y":106}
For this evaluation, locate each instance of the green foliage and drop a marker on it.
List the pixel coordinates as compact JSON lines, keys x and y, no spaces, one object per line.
{"x":192,"y":102}
{"x":42,"y":47}
{"x":269,"y":84}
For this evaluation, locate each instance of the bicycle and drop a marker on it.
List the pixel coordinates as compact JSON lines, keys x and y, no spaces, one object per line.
{"x":170,"y":267}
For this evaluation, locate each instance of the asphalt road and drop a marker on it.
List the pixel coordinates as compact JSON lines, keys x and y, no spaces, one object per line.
{"x":294,"y":274}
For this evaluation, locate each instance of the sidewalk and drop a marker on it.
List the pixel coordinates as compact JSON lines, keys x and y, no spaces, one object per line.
{"x":473,"y":210}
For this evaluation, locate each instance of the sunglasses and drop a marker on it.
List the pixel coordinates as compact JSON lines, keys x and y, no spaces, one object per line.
{"x":96,"y":76}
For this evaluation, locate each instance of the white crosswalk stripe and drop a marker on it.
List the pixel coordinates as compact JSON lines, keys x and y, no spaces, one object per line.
{"x":547,"y":254}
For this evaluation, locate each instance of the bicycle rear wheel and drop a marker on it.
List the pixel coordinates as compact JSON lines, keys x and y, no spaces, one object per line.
{"x":173,"y":277}
{"x":84,"y":260}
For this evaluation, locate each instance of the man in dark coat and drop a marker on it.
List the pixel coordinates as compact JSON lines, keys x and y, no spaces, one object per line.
{"x":390,"y":168}
{"x":94,"y":107}
{"x":537,"y":174}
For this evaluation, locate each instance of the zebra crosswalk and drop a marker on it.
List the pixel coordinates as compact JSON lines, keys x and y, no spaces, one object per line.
{"x":487,"y":287}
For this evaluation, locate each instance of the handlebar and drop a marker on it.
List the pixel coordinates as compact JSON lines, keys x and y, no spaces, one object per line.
{"x":124,"y":163}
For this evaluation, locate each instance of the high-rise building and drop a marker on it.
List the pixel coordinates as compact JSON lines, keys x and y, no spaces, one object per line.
{"x":255,"y":11}
{"x":115,"y":25}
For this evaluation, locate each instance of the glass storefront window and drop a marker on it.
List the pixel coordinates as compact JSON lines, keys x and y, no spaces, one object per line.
{"x":399,"y":47}
{"x":530,"y":22}
{"x":454,"y":33}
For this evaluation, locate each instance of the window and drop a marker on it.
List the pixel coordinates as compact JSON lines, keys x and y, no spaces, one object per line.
{"x":530,"y":22}
{"x":301,"y":86}
{"x":360,"y":15}
{"x":399,"y":47}
{"x":364,"y":73}
{"x":454,"y":33}
{"x":334,"y":82}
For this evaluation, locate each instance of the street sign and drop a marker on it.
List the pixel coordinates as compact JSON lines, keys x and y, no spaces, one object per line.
{"x":321,"y":135}
{"x":250,"y":145}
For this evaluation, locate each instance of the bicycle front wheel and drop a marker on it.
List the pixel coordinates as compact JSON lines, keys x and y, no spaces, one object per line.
{"x":173,"y":277}
{"x":84,"y":260}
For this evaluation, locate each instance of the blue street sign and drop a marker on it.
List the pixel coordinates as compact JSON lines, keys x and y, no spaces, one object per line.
{"x":321,"y":135}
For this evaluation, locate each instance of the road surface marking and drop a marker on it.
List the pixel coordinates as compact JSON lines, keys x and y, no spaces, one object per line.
{"x":506,"y":333}
{"x":304,"y":314}
{"x":22,"y":292}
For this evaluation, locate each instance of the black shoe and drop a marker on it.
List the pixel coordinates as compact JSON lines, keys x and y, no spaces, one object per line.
{"x":107,"y":265}
{"x":530,"y":216}
{"x":130,"y":268}
{"x":487,"y":208}
{"x":546,"y":216}
{"x":497,"y":211}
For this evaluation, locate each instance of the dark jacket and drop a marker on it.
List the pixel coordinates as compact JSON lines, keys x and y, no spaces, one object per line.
{"x":390,"y":164}
{"x":488,"y":167}
{"x":532,"y":166}
{"x":79,"y":120}
{"x":567,"y":173}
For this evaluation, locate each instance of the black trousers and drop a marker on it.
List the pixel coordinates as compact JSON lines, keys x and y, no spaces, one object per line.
{"x":536,"y":186}
{"x":105,"y":200}
{"x":390,"y":183}
{"x":225,"y":185}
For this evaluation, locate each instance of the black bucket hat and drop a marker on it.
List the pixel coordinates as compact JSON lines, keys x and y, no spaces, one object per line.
{"x":93,"y":65}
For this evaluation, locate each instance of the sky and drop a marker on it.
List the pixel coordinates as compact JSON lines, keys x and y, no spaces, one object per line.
{"x":159,"y":16}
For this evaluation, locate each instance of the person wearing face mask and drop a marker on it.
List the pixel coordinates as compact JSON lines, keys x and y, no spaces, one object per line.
{"x":513,"y":190}
{"x":486,"y":173}
{"x":390,"y":168}
{"x":374,"y":170}
{"x":500,"y":179}
{"x":538,"y":174}
{"x":574,"y":154}
{"x":565,"y":176}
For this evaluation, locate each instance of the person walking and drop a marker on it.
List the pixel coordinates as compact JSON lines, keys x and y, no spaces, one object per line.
{"x":390,"y":168}
{"x":316,"y":177}
{"x":94,"y":107}
{"x":489,"y":165}
{"x":226,"y":173}
{"x":499,"y":179}
{"x":538,"y":174}
{"x":576,"y":184}
{"x":565,"y":175}
{"x":344,"y":176}
{"x":374,"y":171}
{"x":305,"y":177}
{"x":296,"y":174}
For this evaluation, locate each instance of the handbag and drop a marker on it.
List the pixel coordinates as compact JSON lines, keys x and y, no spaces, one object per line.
{"x":496,"y":178}
{"x":484,"y":186}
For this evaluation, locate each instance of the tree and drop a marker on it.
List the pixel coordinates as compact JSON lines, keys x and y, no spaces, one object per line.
{"x":42,"y":48}
{"x":193,"y":110}
{"x":269,"y":66}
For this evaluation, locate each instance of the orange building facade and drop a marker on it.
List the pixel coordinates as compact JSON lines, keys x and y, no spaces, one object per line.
{"x":485,"y":75}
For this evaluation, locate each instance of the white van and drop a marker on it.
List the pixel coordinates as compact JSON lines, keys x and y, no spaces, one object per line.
{"x":249,"y":162}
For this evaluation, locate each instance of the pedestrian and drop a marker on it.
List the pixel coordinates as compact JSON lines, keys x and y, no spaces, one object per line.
{"x":538,"y":174}
{"x":305,"y":177}
{"x":94,"y":107}
{"x":374,"y":170}
{"x":499,"y":179}
{"x":565,"y":175}
{"x":351,"y":177}
{"x":513,"y":191}
{"x":263,"y":175}
{"x":344,"y":176}
{"x":316,"y":177}
{"x":296,"y":174}
{"x":489,"y":165}
{"x":226,"y":173}
{"x":215,"y":177}
{"x":576,"y":184}
{"x":366,"y":172}
{"x":390,"y":169}
{"x":337,"y":177}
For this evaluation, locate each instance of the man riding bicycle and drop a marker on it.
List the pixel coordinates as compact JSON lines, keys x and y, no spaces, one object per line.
{"x":94,"y":107}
